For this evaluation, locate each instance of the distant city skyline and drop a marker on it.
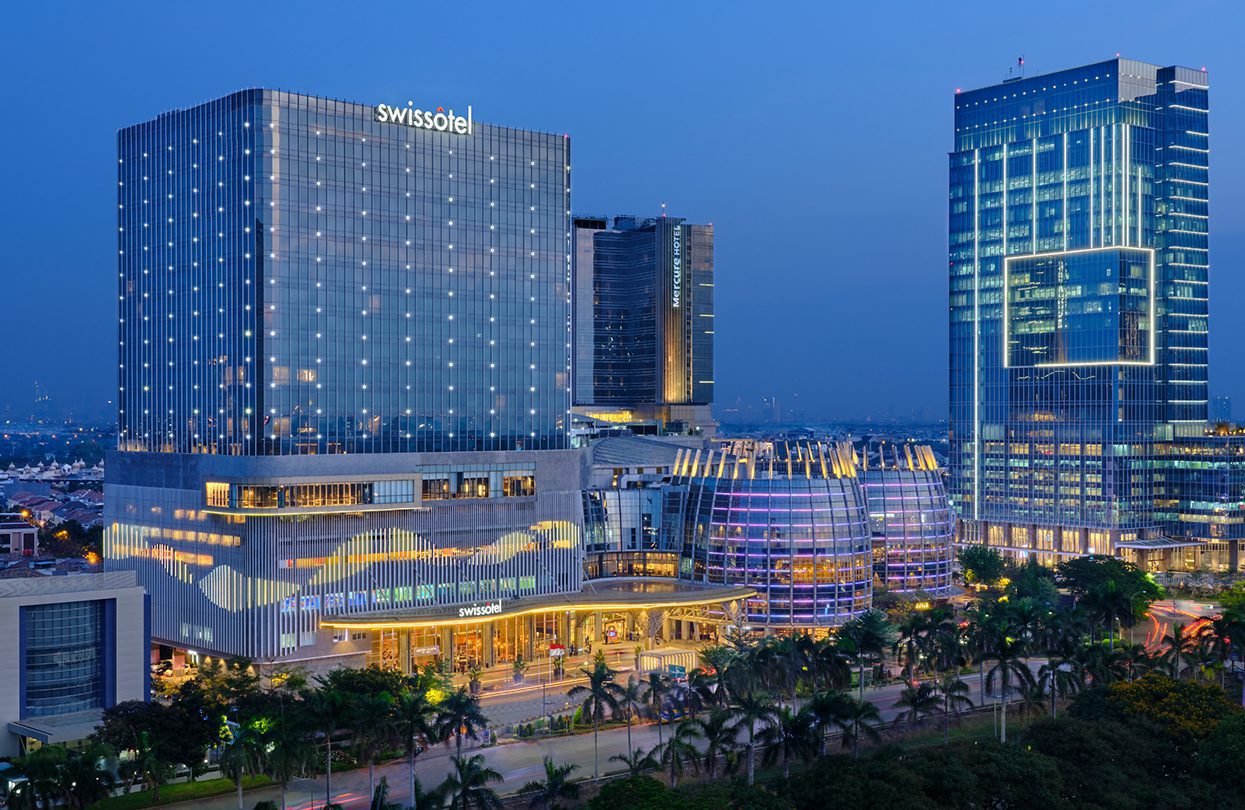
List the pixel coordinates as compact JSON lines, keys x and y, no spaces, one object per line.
{"x":818,"y":301}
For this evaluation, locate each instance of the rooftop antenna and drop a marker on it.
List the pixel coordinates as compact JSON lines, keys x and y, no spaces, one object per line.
{"x":1017,"y":72}
{"x":663,"y":210}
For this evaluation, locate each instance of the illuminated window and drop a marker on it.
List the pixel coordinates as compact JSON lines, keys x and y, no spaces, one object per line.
{"x":217,"y":494}
{"x":519,"y":486}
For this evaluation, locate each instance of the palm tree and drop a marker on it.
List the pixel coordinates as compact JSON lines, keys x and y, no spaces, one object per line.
{"x":1202,"y":652}
{"x":701,"y":691}
{"x":1010,"y":656}
{"x":1109,"y":604}
{"x":1025,"y":618}
{"x":241,"y":757}
{"x":426,"y":798}
{"x":828,"y":710}
{"x":868,"y":636}
{"x":955,"y":700}
{"x":467,"y":785}
{"x":1101,"y":665}
{"x":380,"y":797}
{"x":719,"y":657}
{"x":287,"y":746}
{"x":328,"y":710}
{"x":1175,"y":650}
{"x":679,"y":751}
{"x":917,"y":701}
{"x":1135,"y":659}
{"x":287,"y":753}
{"x":721,"y":737}
{"x":832,"y":664}
{"x":984,"y":622}
{"x":1230,"y":628}
{"x":1219,"y":632}
{"x":1063,"y":629}
{"x":370,"y":717}
{"x":1060,"y":676}
{"x":913,"y":631}
{"x":1097,"y":606}
{"x":630,"y":699}
{"x":413,"y":722}
{"x":752,"y":710}
{"x":83,"y":782}
{"x":782,"y":662}
{"x":598,"y":696}
{"x":1032,"y":698}
{"x":747,"y":672}
{"x":43,"y":770}
{"x":946,"y":646}
{"x":557,"y":785}
{"x":637,"y":762}
{"x":805,"y":650}
{"x":460,"y":714}
{"x":790,"y":734}
{"x":861,"y":717}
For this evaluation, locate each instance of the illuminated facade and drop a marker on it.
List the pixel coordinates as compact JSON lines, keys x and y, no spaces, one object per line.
{"x":910,"y":519}
{"x":789,"y":521}
{"x":1078,"y":263}
{"x":297,"y":277}
{"x":1202,"y":506}
{"x":643,"y":315}
{"x":249,"y":559}
{"x":625,"y":533}
{"x":345,"y":371}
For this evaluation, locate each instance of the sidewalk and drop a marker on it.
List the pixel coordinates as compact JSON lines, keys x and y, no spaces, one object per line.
{"x":499,"y":679}
{"x":518,"y":762}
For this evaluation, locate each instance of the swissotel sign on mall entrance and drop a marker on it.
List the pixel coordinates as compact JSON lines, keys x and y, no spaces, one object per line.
{"x":438,"y":120}
{"x":487,"y":609}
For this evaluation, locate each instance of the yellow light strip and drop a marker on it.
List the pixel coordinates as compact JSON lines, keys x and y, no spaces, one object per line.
{"x":362,"y":624}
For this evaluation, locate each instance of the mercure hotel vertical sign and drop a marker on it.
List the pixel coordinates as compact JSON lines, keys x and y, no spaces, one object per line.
{"x":438,"y":119}
{"x":676,"y":267}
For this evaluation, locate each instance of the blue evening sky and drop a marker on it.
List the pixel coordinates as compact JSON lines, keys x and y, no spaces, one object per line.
{"x":813,"y":136}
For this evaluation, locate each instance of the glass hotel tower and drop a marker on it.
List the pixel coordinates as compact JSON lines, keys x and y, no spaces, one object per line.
{"x":644,"y":321}
{"x":1078,"y":302}
{"x":336,"y":333}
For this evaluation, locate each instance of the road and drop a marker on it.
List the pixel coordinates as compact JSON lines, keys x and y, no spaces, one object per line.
{"x":1166,"y":613}
{"x":518,"y":762}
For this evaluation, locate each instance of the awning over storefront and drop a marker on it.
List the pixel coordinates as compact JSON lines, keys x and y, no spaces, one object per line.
{"x":1158,"y":544}
{"x":61,"y":728}
{"x":610,"y":594}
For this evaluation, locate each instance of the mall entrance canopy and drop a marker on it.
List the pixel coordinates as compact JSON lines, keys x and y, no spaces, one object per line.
{"x":638,"y":612}
{"x":1163,"y":553}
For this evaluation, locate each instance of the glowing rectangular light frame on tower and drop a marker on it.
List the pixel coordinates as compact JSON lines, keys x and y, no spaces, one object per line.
{"x":1150,"y":316}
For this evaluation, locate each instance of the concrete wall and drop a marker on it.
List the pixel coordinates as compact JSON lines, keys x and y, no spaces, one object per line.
{"x":130,"y":664}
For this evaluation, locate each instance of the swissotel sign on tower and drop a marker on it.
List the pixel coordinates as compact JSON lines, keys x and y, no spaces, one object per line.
{"x":438,"y":120}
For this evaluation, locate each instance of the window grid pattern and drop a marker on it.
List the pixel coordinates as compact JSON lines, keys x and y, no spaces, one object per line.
{"x":296,"y":277}
{"x":910,"y":520}
{"x":800,"y":538}
{"x":64,"y":659}
{"x":1107,"y":155}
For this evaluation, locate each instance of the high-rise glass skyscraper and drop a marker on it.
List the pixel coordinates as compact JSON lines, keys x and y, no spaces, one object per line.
{"x":643,"y":291}
{"x":299,"y":276}
{"x":339,"y":324}
{"x":1078,"y":301}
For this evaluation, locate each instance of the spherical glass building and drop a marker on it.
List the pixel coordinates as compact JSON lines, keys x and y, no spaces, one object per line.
{"x":787,"y":520}
{"x":909,"y":518}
